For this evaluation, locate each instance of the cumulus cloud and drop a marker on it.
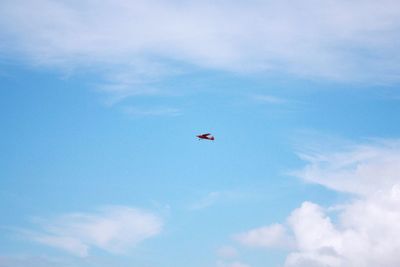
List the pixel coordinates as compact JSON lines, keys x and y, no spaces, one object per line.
{"x":340,"y":40}
{"x":364,"y":232}
{"x":113,"y":229}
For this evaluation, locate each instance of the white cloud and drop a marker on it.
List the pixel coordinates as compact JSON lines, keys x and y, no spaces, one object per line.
{"x":360,"y":169}
{"x":268,"y":237}
{"x":364,"y":232}
{"x":113,"y":229}
{"x":340,"y":40}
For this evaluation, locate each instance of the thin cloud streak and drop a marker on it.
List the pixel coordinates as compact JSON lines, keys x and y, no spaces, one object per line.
{"x":113,"y":229}
{"x":357,"y":169}
{"x":336,"y":40}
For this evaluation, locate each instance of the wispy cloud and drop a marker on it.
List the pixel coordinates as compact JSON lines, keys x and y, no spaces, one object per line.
{"x":359,"y":169}
{"x":265,"y":237}
{"x":269,"y":99}
{"x":338,"y":40}
{"x":113,"y":229}
{"x":207,"y":201}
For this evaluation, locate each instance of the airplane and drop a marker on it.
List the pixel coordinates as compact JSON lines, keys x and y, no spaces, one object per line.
{"x":206,"y":136}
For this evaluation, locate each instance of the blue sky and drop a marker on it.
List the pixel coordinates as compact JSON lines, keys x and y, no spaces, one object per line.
{"x":101,"y":102}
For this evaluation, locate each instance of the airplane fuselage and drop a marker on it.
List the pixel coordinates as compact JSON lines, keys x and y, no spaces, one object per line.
{"x":207,"y":137}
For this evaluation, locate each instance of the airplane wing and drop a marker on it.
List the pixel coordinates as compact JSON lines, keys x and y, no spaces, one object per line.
{"x":205,"y":135}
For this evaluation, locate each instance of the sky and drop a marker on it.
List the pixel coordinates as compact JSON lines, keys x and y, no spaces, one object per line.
{"x":101,"y":102}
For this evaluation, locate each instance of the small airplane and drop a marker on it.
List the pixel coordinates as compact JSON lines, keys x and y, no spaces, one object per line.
{"x":206,"y":136}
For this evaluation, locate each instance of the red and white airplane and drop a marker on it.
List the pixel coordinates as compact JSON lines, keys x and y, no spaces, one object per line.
{"x":206,"y":136}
